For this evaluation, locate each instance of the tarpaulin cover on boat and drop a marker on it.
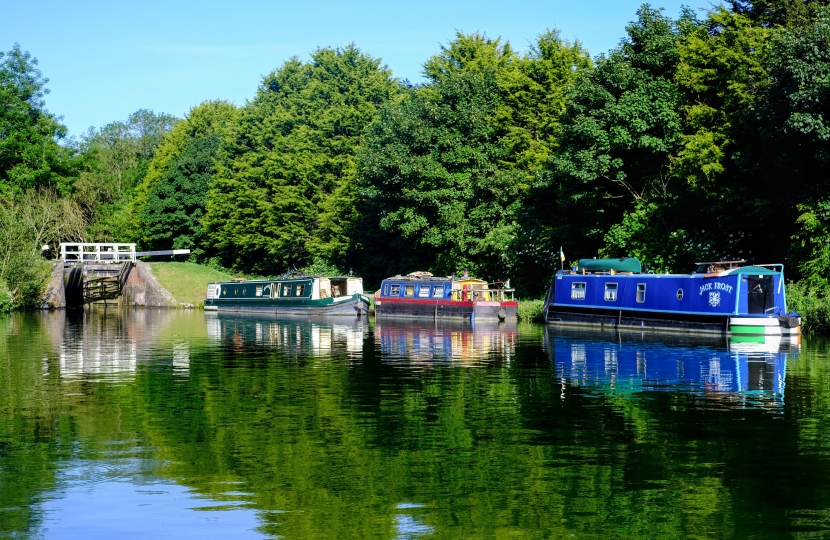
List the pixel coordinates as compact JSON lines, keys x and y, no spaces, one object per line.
{"x":623,"y":264}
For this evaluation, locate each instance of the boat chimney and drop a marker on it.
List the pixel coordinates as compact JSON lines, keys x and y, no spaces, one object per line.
{"x":350,"y":272}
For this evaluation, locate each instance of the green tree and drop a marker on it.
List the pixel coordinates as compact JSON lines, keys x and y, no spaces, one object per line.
{"x":284,"y":190}
{"x":30,"y":155}
{"x":434,"y":177}
{"x":447,"y":169}
{"x":170,"y":201}
{"x":622,"y":124}
{"x":117,"y":158}
{"x":799,"y":114}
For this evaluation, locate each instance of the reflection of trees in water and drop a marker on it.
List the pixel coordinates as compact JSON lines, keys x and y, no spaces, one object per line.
{"x":328,"y":448}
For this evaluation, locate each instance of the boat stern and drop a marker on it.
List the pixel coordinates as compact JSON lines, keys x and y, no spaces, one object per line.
{"x":765,"y":325}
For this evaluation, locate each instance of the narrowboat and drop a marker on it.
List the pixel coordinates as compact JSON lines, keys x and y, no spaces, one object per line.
{"x":291,"y":295}
{"x":719,"y":297}
{"x":420,"y":294}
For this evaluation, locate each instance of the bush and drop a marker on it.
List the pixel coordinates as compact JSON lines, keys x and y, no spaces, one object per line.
{"x":6,"y":298}
{"x":531,"y":310}
{"x":813,"y":304}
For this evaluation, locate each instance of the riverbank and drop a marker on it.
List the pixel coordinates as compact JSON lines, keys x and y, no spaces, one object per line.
{"x":187,"y":282}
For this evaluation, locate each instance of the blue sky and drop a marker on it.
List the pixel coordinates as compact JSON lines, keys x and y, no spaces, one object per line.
{"x":106,"y":59}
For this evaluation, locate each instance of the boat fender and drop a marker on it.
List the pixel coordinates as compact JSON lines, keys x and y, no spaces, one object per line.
{"x":789,"y":321}
{"x":502,"y":314}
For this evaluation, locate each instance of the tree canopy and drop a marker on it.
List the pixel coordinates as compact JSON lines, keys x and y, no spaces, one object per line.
{"x":284,"y":190}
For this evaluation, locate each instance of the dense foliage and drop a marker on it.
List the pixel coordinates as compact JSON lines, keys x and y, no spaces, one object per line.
{"x":285,"y":188}
{"x":703,"y":136}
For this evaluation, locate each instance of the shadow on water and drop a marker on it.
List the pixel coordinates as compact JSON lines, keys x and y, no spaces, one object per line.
{"x":180,"y":423}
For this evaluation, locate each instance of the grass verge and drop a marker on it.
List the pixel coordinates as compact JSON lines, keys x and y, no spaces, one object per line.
{"x":187,"y":282}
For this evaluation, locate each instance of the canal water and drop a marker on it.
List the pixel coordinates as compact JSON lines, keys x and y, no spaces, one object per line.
{"x":170,"y":424}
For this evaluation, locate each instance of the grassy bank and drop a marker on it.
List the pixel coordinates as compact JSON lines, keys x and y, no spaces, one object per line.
{"x":187,"y":282}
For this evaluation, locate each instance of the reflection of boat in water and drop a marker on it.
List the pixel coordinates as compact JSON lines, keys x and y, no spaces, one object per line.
{"x":446,"y":341}
{"x":637,"y":362}
{"x":299,"y":336}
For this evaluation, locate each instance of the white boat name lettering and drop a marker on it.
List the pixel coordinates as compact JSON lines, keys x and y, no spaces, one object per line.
{"x":717,"y":285}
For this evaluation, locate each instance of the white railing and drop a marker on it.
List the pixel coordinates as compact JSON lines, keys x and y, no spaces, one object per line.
{"x":97,"y":252}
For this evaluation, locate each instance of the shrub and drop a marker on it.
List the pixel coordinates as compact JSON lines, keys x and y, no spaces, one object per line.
{"x":813,"y":304}
{"x":531,"y":310}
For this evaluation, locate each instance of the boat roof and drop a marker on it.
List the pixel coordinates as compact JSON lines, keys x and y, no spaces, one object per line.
{"x":428,"y":277}
{"x":622,"y":264}
{"x":752,"y":270}
{"x":281,"y":279}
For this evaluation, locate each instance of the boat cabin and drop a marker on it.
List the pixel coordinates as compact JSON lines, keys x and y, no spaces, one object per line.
{"x":424,"y":285}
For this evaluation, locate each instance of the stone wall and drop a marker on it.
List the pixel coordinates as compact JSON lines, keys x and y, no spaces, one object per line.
{"x":143,"y":289}
{"x":55,"y":295}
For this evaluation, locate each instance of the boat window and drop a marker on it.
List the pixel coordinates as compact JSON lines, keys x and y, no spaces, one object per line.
{"x":577,"y":291}
{"x":258,"y":291}
{"x":611,"y":292}
{"x":224,"y":292}
{"x":680,"y":294}
{"x":300,"y":289}
{"x":286,"y":290}
{"x":438,"y":291}
{"x":409,"y":290}
{"x":235,"y":292}
{"x":385,"y":291}
{"x":395,"y":290}
{"x":423,"y":291}
{"x":243,"y":290}
{"x":641,"y":292}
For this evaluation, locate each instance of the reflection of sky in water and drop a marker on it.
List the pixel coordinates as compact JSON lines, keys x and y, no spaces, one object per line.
{"x":408,"y":526}
{"x":98,"y":498}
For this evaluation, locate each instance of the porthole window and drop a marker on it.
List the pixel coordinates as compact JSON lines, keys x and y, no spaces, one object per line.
{"x":680,"y":294}
{"x":235,"y":292}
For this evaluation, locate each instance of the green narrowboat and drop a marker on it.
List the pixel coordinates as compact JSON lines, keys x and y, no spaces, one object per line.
{"x":294,"y":295}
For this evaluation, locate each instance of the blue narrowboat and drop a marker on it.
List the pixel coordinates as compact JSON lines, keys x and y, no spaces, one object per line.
{"x":422,"y":295}
{"x":720,"y":297}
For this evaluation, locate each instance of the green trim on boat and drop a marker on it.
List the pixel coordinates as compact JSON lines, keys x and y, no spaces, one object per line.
{"x":748,"y":339}
{"x":741,"y":329}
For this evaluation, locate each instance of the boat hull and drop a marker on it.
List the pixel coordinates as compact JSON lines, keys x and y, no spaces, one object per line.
{"x":636,"y":320}
{"x":445,"y":309}
{"x":354,"y":305}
